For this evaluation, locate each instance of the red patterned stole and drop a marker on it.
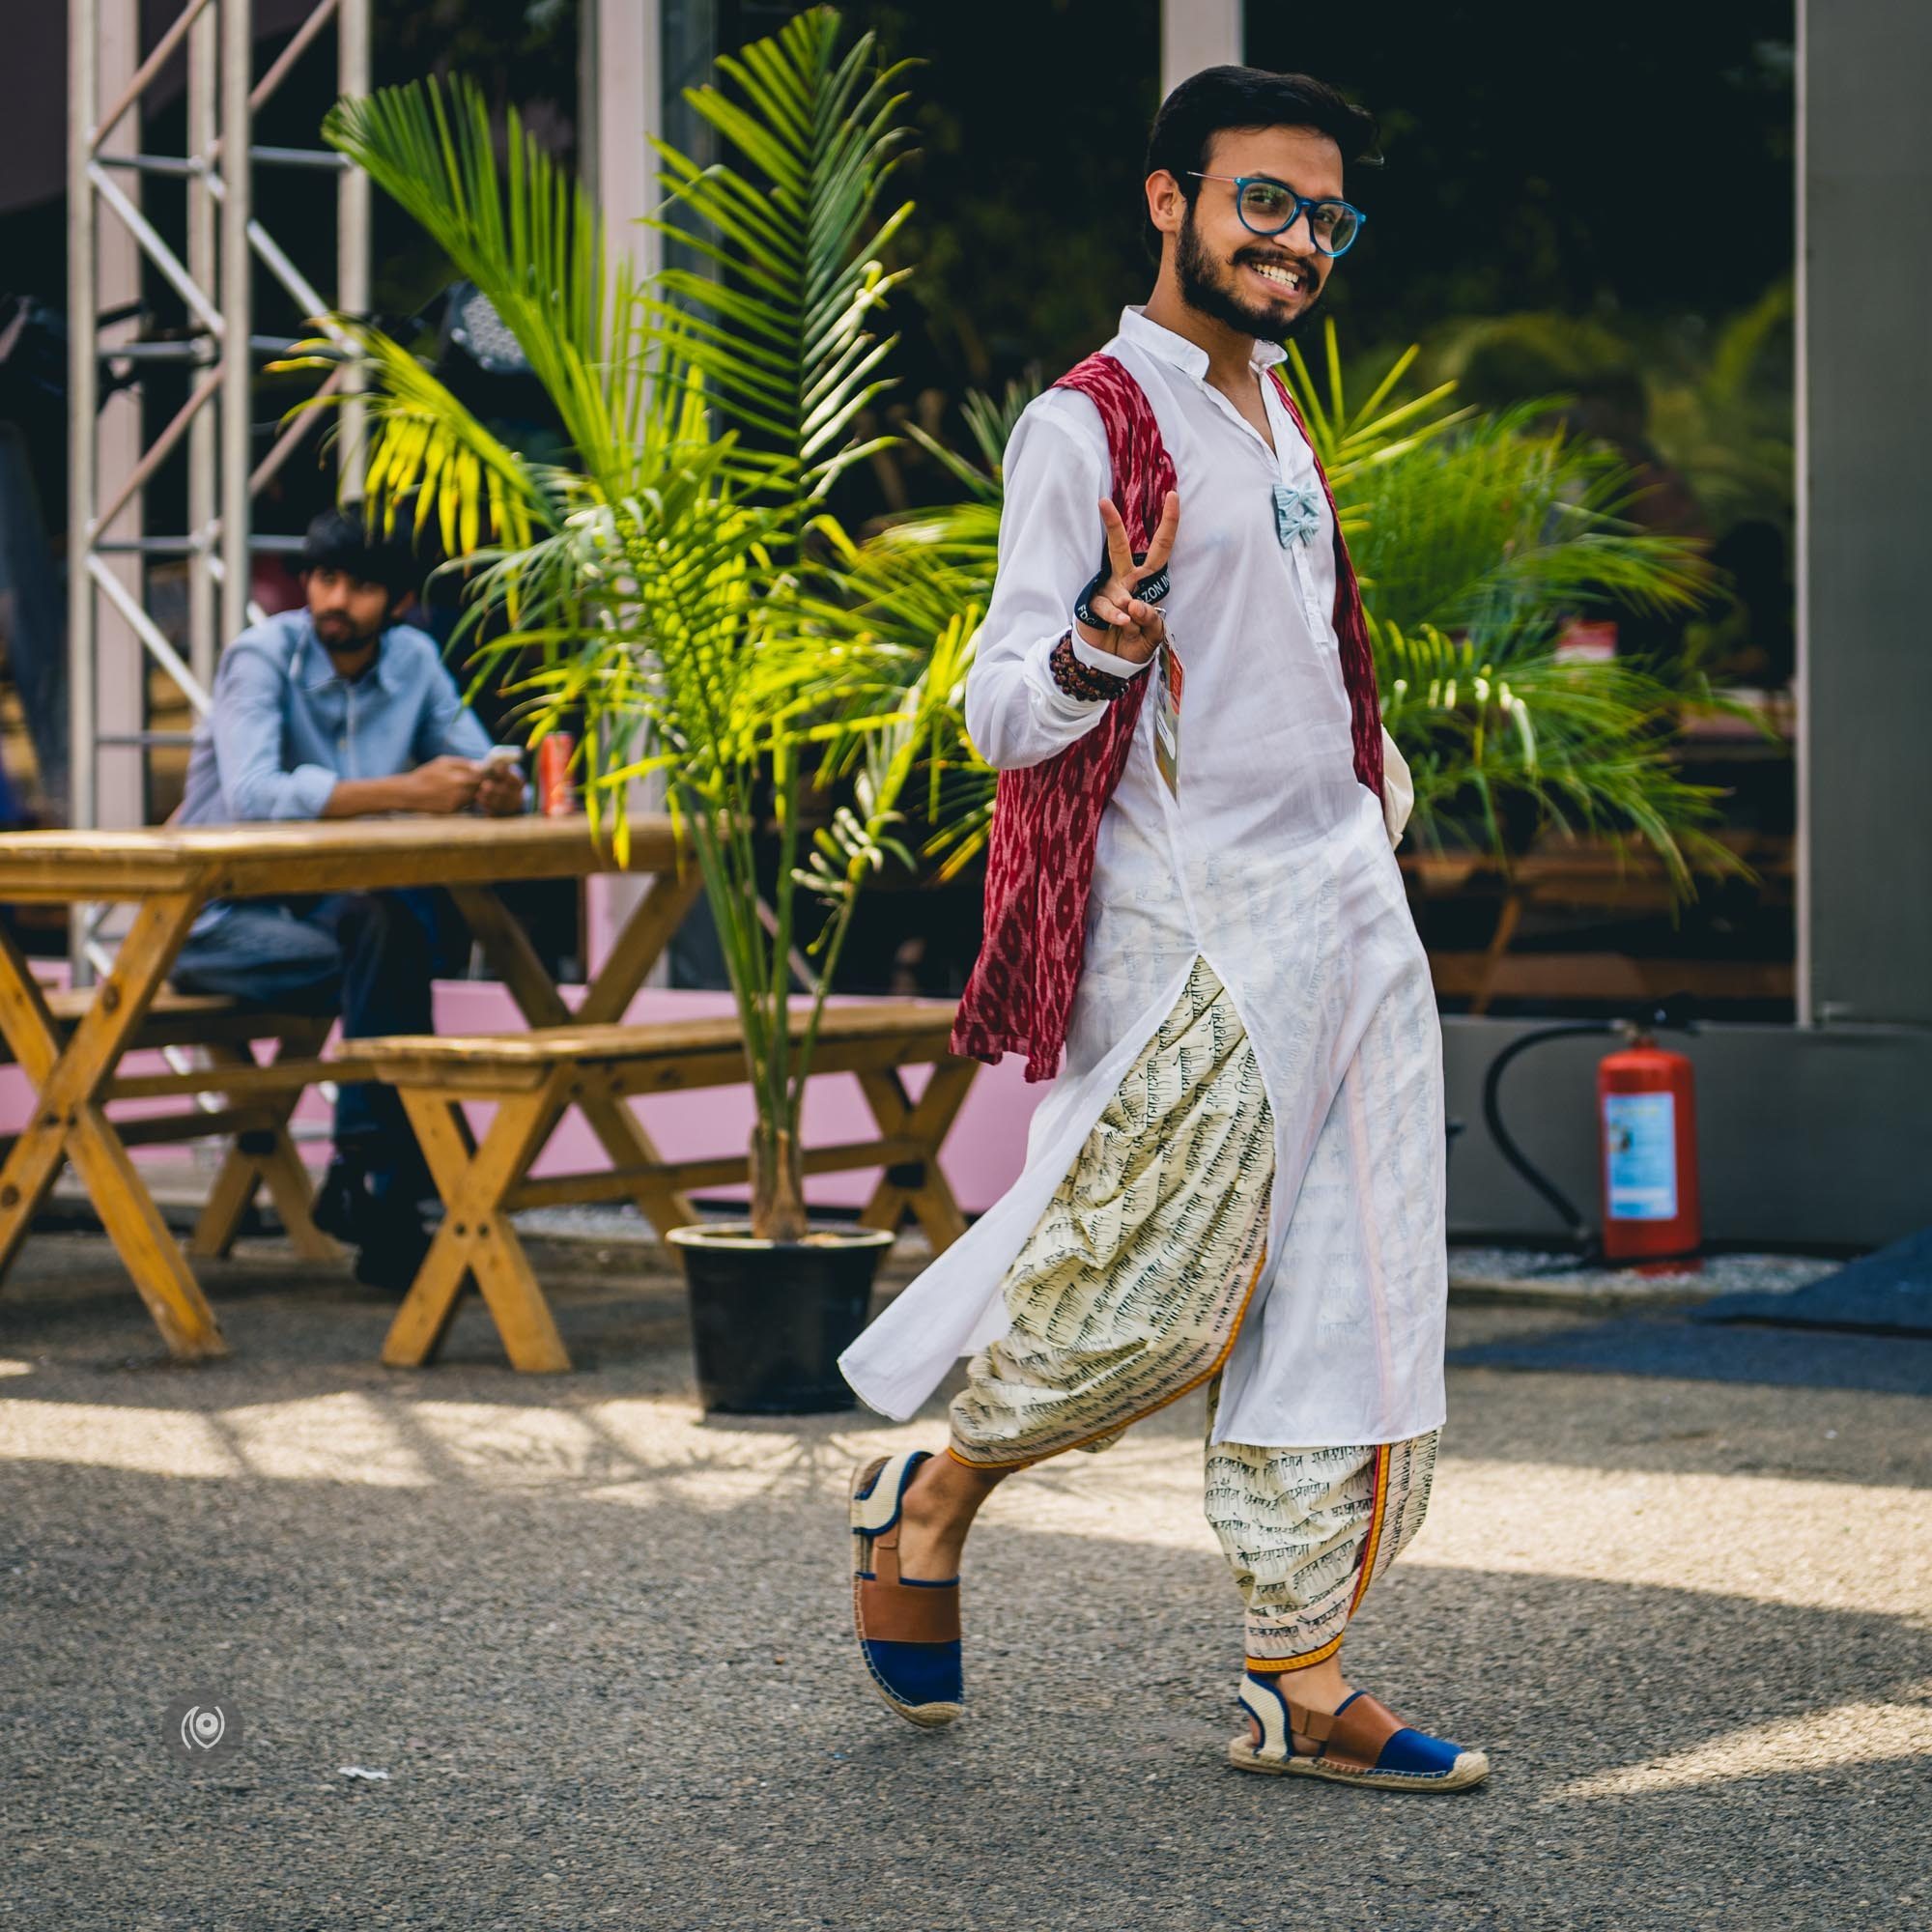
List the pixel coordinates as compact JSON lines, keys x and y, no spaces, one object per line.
{"x":1047,"y":819}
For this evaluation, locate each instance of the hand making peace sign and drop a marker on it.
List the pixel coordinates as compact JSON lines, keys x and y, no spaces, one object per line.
{"x":1128,"y":626}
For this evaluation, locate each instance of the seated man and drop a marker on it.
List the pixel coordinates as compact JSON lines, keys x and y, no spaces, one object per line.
{"x":342,"y":711}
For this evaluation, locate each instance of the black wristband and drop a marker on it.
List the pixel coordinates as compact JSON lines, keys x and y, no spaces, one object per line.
{"x":1149,"y":592}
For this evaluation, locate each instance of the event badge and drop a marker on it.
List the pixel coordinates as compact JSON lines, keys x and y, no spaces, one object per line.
{"x":1167,"y":719}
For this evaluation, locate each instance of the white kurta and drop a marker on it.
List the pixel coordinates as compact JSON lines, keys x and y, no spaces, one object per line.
{"x":1273,"y":863}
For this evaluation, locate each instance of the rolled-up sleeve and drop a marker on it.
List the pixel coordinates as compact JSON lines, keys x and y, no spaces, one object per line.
{"x":1050,"y":541}
{"x":245,"y":718}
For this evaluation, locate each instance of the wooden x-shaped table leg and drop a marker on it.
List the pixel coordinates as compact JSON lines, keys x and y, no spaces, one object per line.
{"x":645,"y":934}
{"x":477,"y":1237}
{"x":918,"y":1184}
{"x":250,"y":1164}
{"x":70,"y":1122}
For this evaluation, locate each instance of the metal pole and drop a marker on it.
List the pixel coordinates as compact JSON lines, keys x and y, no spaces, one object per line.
{"x":352,"y":235}
{"x":203,"y":66}
{"x":237,"y":268}
{"x":83,"y":391}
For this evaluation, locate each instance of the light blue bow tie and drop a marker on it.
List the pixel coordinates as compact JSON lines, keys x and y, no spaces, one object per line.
{"x":1298,"y":514}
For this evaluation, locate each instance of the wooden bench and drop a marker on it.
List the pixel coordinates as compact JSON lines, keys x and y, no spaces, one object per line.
{"x":533,"y":1077}
{"x":258,"y":1098}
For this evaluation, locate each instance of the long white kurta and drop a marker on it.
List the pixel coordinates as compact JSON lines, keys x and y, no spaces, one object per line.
{"x":1276,"y":864}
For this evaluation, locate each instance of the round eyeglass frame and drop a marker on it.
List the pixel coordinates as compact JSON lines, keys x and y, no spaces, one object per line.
{"x":1302,"y":202}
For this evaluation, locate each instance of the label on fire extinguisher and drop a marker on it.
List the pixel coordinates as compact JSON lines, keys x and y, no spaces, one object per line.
{"x":1640,"y":1132}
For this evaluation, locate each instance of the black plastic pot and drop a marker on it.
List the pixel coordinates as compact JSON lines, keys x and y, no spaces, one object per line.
{"x":769,"y":1320}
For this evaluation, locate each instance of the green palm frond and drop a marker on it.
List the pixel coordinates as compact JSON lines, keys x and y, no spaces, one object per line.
{"x":1590,"y":745}
{"x":1352,"y":443}
{"x":991,"y":422}
{"x":1725,"y":423}
{"x":913,"y":596}
{"x":529,"y":239}
{"x":425,"y":445}
{"x":1499,"y":520}
{"x":794,"y":232}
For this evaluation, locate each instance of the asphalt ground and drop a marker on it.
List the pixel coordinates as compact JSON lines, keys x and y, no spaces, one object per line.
{"x":598,"y":1646}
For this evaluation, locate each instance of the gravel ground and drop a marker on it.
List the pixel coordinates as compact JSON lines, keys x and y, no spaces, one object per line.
{"x":1544,"y":1278}
{"x":597,"y":1645}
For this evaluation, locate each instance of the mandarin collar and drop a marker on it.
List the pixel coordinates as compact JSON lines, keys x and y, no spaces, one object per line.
{"x":1189,"y":358}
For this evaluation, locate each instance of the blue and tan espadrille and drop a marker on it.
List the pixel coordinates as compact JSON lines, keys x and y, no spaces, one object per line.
{"x":908,"y":1630}
{"x":1363,"y":1743}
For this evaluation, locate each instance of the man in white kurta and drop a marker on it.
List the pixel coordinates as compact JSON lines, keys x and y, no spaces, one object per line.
{"x":1238,"y":1172}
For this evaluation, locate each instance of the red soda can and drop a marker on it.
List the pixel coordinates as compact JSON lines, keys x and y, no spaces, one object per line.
{"x":556,"y":795}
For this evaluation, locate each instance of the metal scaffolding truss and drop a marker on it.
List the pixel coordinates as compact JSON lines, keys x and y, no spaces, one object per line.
{"x":115,"y":251}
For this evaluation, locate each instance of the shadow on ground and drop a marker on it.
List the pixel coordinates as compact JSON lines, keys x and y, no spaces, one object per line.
{"x":597,"y":1645}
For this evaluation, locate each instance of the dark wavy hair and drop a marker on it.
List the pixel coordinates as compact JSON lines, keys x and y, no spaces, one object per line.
{"x":343,"y":540}
{"x":1220,"y":97}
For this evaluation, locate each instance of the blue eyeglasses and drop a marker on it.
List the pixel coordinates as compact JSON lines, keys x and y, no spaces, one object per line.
{"x":1268,"y":207}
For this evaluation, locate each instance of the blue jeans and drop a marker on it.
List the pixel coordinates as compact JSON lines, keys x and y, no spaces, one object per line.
{"x":368,"y":956}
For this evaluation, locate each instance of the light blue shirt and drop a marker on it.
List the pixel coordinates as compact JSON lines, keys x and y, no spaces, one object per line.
{"x":283,"y":726}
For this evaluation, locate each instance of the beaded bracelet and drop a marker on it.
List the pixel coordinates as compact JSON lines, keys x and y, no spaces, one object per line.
{"x":1079,"y":679}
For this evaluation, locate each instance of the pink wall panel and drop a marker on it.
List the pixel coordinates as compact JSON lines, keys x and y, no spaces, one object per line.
{"x":983,"y":1154}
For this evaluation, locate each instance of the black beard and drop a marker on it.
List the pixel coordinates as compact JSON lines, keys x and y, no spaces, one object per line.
{"x":343,"y":637}
{"x":1201,"y":290}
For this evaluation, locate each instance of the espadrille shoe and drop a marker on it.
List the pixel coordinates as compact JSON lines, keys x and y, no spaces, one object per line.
{"x":1363,"y":1743}
{"x":908,"y":1630}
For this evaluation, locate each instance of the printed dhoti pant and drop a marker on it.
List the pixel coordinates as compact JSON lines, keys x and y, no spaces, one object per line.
{"x":1132,"y":1292}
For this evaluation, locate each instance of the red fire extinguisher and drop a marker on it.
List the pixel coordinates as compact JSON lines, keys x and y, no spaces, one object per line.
{"x":1647,"y":1121}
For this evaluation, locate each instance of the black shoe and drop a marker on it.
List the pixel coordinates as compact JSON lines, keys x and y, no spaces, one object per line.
{"x":392,"y":1244}
{"x":341,"y":1205}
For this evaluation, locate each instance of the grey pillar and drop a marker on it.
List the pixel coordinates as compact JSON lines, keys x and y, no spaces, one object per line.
{"x":1865,"y":612}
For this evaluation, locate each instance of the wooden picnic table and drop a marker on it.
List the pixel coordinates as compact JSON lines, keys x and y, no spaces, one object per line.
{"x":70,"y":1048}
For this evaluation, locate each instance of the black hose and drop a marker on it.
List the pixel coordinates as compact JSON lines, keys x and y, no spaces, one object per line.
{"x":1581,"y":1230}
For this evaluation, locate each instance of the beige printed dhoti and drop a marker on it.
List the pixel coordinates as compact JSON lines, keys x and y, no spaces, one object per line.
{"x":1130,"y":1292}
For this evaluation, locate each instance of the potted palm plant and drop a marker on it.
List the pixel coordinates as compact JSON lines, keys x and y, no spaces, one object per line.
{"x":670,"y":585}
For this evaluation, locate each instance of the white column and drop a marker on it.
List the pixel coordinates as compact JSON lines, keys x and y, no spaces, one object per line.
{"x":1195,"y":34}
{"x":623,"y":99}
{"x":621,"y":89}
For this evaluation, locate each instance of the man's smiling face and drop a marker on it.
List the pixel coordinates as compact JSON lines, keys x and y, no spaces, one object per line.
{"x":1261,"y":285}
